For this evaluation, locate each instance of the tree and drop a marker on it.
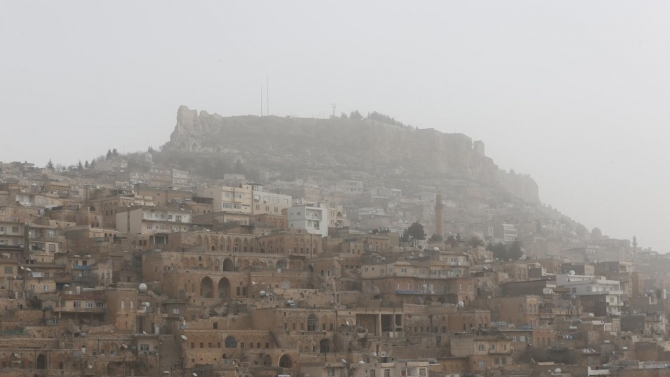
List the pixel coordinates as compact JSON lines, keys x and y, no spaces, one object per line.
{"x":109,"y":154}
{"x":344,"y":116}
{"x":416,"y":231}
{"x":92,"y":164}
{"x":514,"y":251}
{"x":115,"y":152}
{"x":151,"y":149}
{"x":499,"y":250}
{"x":435,"y":238}
{"x":451,"y":240}
{"x":80,"y":167}
{"x":86,"y":165}
{"x":476,"y":241}
{"x":356,"y":115}
{"x":50,"y":165}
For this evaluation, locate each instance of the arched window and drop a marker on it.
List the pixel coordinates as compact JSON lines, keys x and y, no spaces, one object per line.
{"x":312,"y":322}
{"x":231,"y":342}
{"x":132,"y":304}
{"x":123,"y":305}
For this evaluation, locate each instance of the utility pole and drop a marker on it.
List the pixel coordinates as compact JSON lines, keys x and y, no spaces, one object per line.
{"x":267,"y":96}
{"x":334,"y":107}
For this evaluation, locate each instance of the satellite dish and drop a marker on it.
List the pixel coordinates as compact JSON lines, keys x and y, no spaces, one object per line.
{"x":572,"y":273}
{"x":361,"y":362}
{"x":143,"y":287}
{"x":591,"y":315}
{"x":347,"y":323}
{"x":558,"y":371}
{"x":343,"y":361}
{"x":184,"y":337}
{"x":461,"y":304}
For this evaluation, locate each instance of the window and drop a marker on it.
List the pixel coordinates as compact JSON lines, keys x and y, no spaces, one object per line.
{"x":76,"y":304}
{"x":504,"y":360}
{"x":387,"y":373}
{"x":372,"y":373}
{"x":89,"y":304}
{"x":481,"y":364}
{"x":9,"y":270}
{"x":123,"y":305}
{"x":422,"y":372}
{"x":144,"y":348}
{"x":311,"y":323}
{"x":15,"y":229}
{"x":496,"y":361}
{"x":481,"y":347}
{"x":331,"y":372}
{"x":202,"y":345}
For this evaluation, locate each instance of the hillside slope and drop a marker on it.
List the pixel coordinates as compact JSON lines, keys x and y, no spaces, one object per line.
{"x":346,"y":144}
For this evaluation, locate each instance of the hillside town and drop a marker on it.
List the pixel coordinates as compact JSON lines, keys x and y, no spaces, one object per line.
{"x":120,"y":268}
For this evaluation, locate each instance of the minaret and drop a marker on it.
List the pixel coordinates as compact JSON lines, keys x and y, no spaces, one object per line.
{"x":439,"y":227}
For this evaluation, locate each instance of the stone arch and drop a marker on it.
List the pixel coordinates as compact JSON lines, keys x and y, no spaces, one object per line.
{"x":206,"y":288}
{"x":281,"y":264}
{"x":237,"y":245}
{"x":229,"y":244}
{"x":230,"y":342}
{"x":325,"y":346}
{"x":224,"y":288}
{"x":193,"y":262}
{"x":267,"y":360}
{"x":185,"y":263}
{"x":285,"y":361}
{"x":41,"y":362}
{"x":228,"y":265}
{"x":246,"y":245}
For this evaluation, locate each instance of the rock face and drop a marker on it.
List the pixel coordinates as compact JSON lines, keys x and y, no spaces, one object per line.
{"x":346,"y":144}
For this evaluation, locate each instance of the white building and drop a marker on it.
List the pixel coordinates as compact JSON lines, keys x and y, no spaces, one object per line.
{"x":584,"y":285}
{"x":152,"y":220}
{"x":267,"y":202}
{"x":312,"y":218}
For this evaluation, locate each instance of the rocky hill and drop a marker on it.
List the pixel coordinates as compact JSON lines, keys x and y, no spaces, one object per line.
{"x":344,"y":144}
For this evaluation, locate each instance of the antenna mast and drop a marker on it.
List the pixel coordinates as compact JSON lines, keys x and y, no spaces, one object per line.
{"x":334,"y":107}
{"x":267,"y":96}
{"x":261,"y":100}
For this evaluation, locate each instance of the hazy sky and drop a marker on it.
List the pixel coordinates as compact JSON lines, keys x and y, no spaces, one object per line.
{"x":576,"y":94}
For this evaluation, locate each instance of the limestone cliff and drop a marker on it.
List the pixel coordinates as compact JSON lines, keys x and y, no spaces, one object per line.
{"x":343,"y":143}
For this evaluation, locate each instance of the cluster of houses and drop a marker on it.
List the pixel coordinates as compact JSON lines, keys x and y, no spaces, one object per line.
{"x":112,"y":272}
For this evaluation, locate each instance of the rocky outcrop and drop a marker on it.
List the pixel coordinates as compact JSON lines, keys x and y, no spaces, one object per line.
{"x":344,"y":143}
